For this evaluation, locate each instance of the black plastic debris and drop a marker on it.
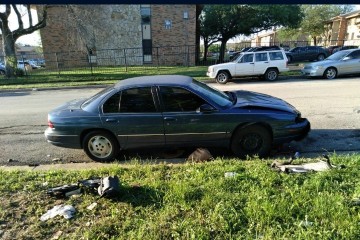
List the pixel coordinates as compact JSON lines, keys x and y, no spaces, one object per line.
{"x":109,"y":187}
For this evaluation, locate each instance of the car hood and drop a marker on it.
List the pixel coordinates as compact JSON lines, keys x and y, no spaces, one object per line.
{"x":254,"y":99}
{"x":322,"y":63}
{"x":221,"y":65}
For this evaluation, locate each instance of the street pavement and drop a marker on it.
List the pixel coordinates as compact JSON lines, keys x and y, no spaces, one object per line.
{"x":332,"y":106}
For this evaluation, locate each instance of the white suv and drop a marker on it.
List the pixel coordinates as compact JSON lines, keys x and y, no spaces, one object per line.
{"x":267,"y":64}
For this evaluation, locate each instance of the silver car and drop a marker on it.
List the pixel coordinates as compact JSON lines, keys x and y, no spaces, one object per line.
{"x":340,"y":63}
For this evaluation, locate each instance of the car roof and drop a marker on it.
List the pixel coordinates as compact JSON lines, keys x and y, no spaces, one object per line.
{"x":156,"y":79}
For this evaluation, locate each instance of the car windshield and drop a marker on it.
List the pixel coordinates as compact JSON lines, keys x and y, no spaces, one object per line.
{"x":89,"y":100}
{"x":338,"y":55}
{"x":217,"y":96}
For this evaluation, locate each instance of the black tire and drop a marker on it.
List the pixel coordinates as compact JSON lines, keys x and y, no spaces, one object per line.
{"x":254,"y":140}
{"x":101,"y":146}
{"x":271,"y":74}
{"x":320,"y":57}
{"x":330,"y":73}
{"x":222,"y":77}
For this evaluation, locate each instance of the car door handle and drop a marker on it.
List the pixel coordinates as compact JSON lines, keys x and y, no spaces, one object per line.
{"x":110,"y":120}
{"x":169,"y":119}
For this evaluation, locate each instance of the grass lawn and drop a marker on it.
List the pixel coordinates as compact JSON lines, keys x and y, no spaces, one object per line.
{"x":80,"y":77}
{"x":189,"y":201}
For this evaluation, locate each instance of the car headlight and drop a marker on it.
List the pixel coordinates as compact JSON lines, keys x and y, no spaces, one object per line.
{"x":318,"y":67}
{"x":210,"y":69}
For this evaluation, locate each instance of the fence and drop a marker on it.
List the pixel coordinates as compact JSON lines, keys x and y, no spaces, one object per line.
{"x":133,"y":59}
{"x":107,"y":60}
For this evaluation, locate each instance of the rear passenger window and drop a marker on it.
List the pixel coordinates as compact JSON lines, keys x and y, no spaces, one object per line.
{"x":276,"y":56}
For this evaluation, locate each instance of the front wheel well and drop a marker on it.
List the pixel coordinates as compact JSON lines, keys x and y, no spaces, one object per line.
{"x":244,"y":125}
{"x":87,"y":131}
{"x":224,"y":70}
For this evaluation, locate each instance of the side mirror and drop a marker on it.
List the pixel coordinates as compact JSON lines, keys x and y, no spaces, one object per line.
{"x":205,"y":108}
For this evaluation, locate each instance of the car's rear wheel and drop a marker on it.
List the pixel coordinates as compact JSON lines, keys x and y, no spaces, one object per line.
{"x":271,"y":74}
{"x":254,"y":140}
{"x":223,"y":77}
{"x":101,"y":146}
{"x":330,"y":73}
{"x":320,"y":57}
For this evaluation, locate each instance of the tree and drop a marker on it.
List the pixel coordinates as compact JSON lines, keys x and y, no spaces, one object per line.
{"x":9,"y":37}
{"x":229,"y":21}
{"x":315,"y":16}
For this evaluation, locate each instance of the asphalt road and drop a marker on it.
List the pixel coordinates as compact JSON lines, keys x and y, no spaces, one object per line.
{"x":332,"y":107}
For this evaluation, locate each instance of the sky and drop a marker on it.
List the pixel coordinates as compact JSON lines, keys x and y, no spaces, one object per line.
{"x":34,"y":38}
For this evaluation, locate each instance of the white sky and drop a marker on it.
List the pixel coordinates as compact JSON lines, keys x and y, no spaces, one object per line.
{"x":34,"y":38}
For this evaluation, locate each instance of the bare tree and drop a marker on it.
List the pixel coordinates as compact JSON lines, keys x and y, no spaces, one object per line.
{"x":9,"y":36}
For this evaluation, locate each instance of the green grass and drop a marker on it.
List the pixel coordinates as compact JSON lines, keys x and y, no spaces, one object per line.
{"x":83,"y":77}
{"x":189,"y":201}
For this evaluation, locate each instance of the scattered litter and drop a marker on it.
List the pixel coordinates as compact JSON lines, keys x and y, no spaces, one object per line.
{"x":306,"y":223}
{"x":67,"y":211}
{"x":34,"y":89}
{"x":48,"y":155}
{"x":74,"y":192}
{"x":56,"y":159}
{"x":56,"y":235}
{"x":105,"y":187}
{"x":230,"y":174}
{"x":319,"y":166}
{"x":45,"y":184}
{"x":92,"y":206}
{"x":200,"y":155}
{"x":88,"y":224}
{"x":61,"y":191}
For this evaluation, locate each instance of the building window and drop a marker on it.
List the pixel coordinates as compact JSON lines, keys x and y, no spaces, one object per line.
{"x":168,"y":24}
{"x":145,"y":12}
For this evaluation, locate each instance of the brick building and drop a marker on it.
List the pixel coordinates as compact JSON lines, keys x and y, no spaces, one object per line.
{"x":344,"y":29}
{"x":120,"y":34}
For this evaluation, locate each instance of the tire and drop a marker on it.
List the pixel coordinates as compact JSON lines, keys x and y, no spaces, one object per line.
{"x":101,"y":146}
{"x":271,"y":74}
{"x":330,"y":73}
{"x":320,"y":57}
{"x":222,"y":77}
{"x":254,"y":140}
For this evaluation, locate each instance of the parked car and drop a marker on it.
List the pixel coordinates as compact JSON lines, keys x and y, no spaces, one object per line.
{"x":267,"y":64}
{"x":332,"y":48}
{"x":308,"y":53}
{"x":340,"y":63}
{"x":345,"y":48}
{"x":174,"y":112}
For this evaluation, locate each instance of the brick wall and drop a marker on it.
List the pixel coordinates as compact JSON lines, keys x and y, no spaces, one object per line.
{"x":181,"y":32}
{"x":116,"y":27}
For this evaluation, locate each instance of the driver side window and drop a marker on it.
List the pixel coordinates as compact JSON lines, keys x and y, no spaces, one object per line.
{"x":179,"y":100}
{"x":248,"y":58}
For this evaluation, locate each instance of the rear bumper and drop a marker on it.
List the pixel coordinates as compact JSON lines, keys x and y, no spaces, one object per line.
{"x":62,"y":140}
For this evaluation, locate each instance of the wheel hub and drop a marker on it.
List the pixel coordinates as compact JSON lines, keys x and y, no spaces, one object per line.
{"x":100,"y":146}
{"x":251,"y":142}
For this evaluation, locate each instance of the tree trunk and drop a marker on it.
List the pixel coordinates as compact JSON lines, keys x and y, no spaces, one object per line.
{"x":10,"y":53}
{"x":222,"y":50}
{"x":314,"y":39}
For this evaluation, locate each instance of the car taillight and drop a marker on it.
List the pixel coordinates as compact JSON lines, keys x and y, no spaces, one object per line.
{"x":50,"y":124}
